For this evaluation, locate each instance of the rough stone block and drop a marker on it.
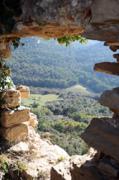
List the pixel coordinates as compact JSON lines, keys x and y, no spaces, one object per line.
{"x":10,"y":99}
{"x":112,"y":43}
{"x":15,"y":133}
{"x":99,"y":9}
{"x":24,"y":91}
{"x":110,"y":99}
{"x":103,"y":135}
{"x":13,"y":117}
{"x":107,"y":67}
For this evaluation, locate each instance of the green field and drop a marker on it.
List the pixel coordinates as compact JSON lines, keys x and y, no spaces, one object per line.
{"x":38,"y":99}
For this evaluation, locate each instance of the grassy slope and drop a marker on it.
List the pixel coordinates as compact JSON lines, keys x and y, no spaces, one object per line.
{"x":78,"y":89}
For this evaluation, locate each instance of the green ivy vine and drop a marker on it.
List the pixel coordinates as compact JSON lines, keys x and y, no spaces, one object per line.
{"x":68,"y":39}
{"x":5,"y":79}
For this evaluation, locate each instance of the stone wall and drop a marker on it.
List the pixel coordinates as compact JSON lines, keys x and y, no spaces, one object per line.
{"x":94,"y":19}
{"x":14,"y":118}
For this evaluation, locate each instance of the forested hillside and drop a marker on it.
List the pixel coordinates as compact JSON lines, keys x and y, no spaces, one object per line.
{"x":62,"y":118}
{"x":45,"y":63}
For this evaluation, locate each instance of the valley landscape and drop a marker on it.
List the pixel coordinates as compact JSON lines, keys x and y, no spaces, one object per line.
{"x":48,"y":64}
{"x":65,"y":90}
{"x":64,"y":116}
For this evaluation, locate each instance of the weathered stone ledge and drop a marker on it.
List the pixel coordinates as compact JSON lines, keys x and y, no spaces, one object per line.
{"x":103,"y":135}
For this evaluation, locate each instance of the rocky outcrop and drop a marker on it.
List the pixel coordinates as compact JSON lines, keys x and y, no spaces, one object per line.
{"x":10,"y":99}
{"x":70,"y":169}
{"x":59,"y":18}
{"x":93,"y":166}
{"x":32,"y":158}
{"x":102,"y":134}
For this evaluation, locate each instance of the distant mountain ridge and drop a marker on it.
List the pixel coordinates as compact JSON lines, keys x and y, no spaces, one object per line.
{"x":45,"y":63}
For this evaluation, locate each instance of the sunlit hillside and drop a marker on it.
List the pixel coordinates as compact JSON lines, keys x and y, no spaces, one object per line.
{"x":45,"y":63}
